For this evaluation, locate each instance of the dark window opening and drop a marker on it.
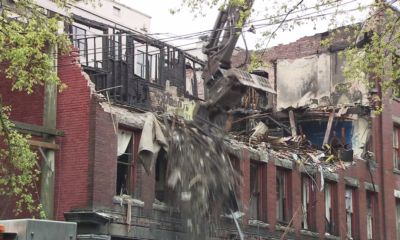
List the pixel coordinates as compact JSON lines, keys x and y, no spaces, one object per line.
{"x":124,"y":162}
{"x":161,"y":193}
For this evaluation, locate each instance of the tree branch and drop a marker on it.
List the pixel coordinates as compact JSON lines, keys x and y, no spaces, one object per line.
{"x":5,"y":129}
{"x":284,"y":19}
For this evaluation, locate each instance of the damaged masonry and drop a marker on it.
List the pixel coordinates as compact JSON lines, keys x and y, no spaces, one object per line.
{"x":150,"y":147}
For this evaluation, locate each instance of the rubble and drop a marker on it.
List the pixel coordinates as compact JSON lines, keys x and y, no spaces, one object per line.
{"x":337,"y":155}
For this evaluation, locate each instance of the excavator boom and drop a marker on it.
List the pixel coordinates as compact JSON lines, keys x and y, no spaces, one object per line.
{"x":226,"y":85}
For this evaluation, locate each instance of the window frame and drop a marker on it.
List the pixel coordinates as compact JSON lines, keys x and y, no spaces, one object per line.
{"x":116,"y":11}
{"x":396,"y":146}
{"x":260,"y":173}
{"x":77,"y":40}
{"x":332,"y":206}
{"x":372,"y":196}
{"x":143,"y":66}
{"x":132,"y":167}
{"x":397,"y":206}
{"x":353,"y":214}
{"x":309,"y":214}
{"x":285,"y":195}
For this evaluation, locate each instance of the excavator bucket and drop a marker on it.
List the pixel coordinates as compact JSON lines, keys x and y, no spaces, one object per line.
{"x":227,"y":92}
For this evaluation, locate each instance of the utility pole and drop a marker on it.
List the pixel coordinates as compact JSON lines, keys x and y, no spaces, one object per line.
{"x":49,"y":121}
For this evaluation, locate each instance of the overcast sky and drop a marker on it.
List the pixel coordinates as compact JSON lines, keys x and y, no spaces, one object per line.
{"x":184,"y":23}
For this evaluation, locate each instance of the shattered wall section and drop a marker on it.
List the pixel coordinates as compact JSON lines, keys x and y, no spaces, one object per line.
{"x":303,"y":81}
{"x":171,"y":101}
{"x":317,"y":80}
{"x":344,"y":90}
{"x":195,"y":88}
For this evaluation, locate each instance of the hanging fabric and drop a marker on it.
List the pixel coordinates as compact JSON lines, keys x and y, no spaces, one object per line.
{"x":124,"y":137}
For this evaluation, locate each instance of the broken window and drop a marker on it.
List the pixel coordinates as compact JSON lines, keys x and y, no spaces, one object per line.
{"x":141,"y":64}
{"x":79,"y":40}
{"x":370,"y":215}
{"x":281,"y":196}
{"x":329,"y":196}
{"x":255,"y":193}
{"x":350,"y":213}
{"x":124,"y":162}
{"x":308,"y":196}
{"x":160,"y":175}
{"x":396,"y":149}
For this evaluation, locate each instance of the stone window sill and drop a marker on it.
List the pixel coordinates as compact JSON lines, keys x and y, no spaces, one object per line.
{"x":331,"y":237}
{"x":396,"y":171}
{"x":283,"y":228}
{"x":160,"y":207}
{"x":309,"y":233}
{"x":125,"y":199}
{"x":257,"y":223}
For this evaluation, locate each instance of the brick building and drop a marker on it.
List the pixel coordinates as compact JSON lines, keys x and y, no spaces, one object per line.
{"x":101,"y":185}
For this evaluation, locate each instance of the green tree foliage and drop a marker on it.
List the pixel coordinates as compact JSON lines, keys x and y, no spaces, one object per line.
{"x":377,"y":58}
{"x":25,"y":29}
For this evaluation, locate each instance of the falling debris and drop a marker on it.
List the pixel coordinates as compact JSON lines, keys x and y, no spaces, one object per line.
{"x":200,"y":173}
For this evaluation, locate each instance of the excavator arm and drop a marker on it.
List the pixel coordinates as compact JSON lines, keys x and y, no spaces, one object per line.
{"x":226,"y":85}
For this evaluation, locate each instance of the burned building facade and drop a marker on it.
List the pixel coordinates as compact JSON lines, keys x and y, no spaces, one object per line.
{"x":316,"y":163}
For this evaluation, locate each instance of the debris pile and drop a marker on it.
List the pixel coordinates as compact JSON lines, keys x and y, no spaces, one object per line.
{"x":331,"y":157}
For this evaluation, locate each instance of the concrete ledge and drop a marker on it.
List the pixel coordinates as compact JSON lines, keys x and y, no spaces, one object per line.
{"x":308,"y":169}
{"x":370,"y":187}
{"x":284,"y":163}
{"x":351,"y":182}
{"x":309,"y":233}
{"x":257,"y":223}
{"x":396,"y":171}
{"x":331,"y":237}
{"x":283,"y":228}
{"x":397,"y":193}
{"x":125,"y":199}
{"x":396,"y":120}
{"x":331,"y":176}
{"x":93,"y":237}
{"x":160,"y":207}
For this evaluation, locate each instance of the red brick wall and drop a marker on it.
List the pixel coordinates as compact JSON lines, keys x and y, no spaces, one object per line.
{"x":73,"y":117}
{"x":302,"y":47}
{"x":102,"y":158}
